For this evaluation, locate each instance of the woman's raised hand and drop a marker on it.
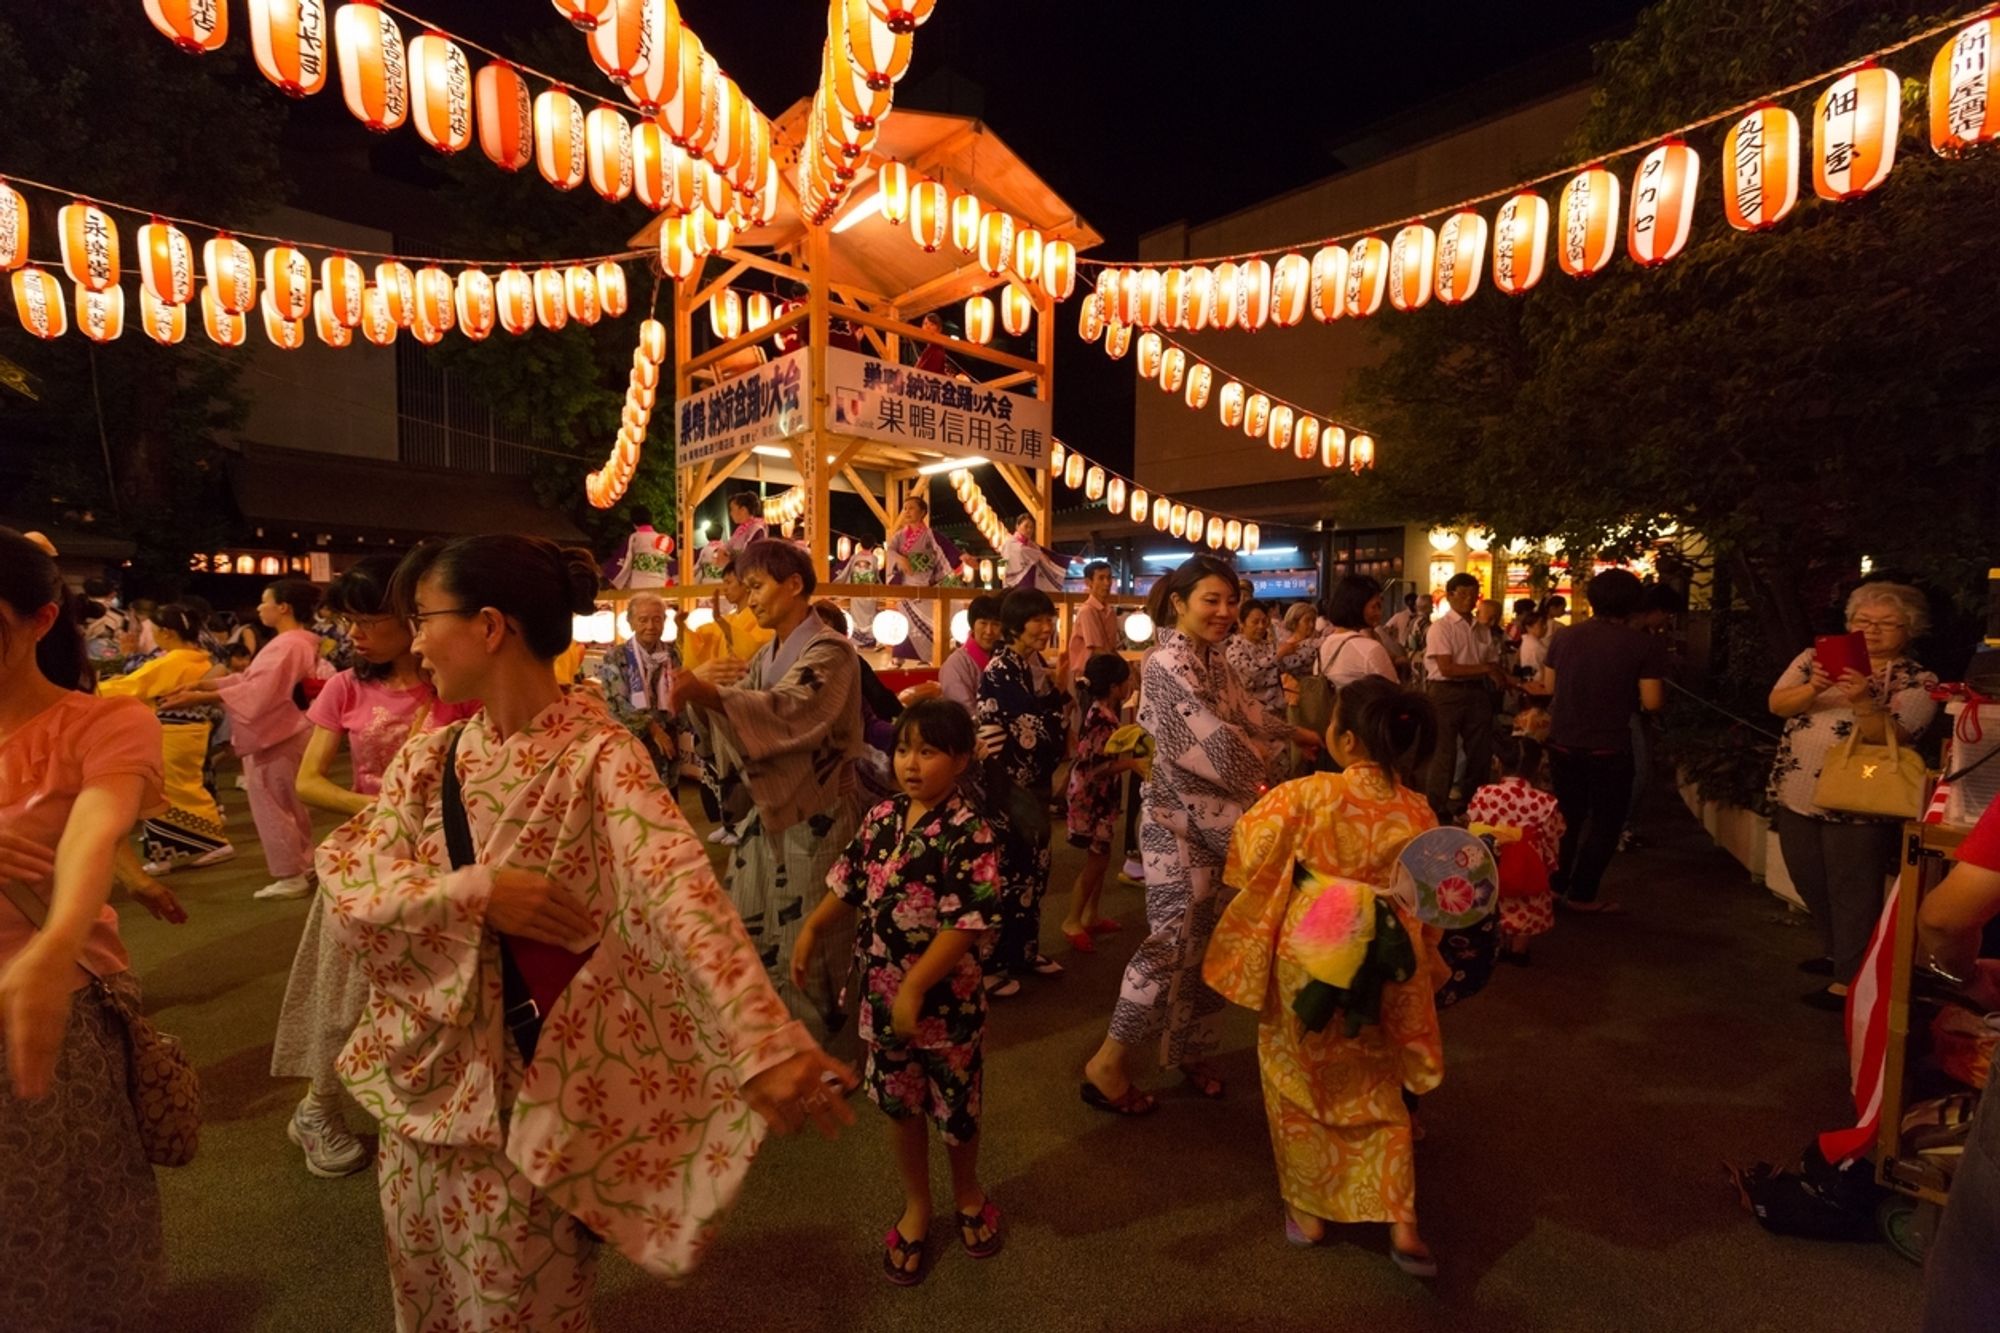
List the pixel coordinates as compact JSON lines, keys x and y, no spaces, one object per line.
{"x":535,"y":907}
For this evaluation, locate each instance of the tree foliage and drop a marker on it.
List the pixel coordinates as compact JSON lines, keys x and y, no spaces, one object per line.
{"x":1801,"y":397}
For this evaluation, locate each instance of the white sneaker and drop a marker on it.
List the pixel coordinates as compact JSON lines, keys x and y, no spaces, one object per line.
{"x":1134,"y":869}
{"x":214,"y":858}
{"x":295,"y":886}
{"x":330,"y":1150}
{"x":724,"y":836}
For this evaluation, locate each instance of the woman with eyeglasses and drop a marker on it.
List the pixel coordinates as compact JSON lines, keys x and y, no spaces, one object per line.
{"x":371,"y":708}
{"x":1837,"y":860}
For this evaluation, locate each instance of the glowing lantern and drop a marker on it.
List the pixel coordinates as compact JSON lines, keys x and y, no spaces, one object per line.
{"x":1252,"y":538}
{"x":1278,"y":430}
{"x":551,"y":299}
{"x":1333,"y":448}
{"x":1117,"y":339}
{"x":965,"y":214}
{"x":1291,"y":284}
{"x":1520,"y":243}
{"x":378,"y":325}
{"x":1149,"y":355}
{"x":1228,"y":297}
{"x":1230,"y":404}
{"x":1090,"y":319}
{"x":1110,"y":284}
{"x":165,"y":322}
{"x":1057,"y":453}
{"x":1361,"y":456}
{"x":979,"y":319}
{"x":1174,"y":298}
{"x":1662,"y":203}
{"x":1199,"y":377}
{"x":1412,"y":267}
{"x":166,"y":262}
{"x":1173,"y":369}
{"x":1073,"y":470}
{"x":560,"y":152}
{"x":441,"y":92}
{"x":725,"y":314}
{"x":1017,"y":310}
{"x":514,"y":294}
{"x":1149,"y":297}
{"x":613,"y":297}
{"x":1058,"y":269}
{"x":1588,"y":211}
{"x":653,"y":341}
{"x":902,"y":15}
{"x":996,"y":242}
{"x":677,"y":256}
{"x":373,"y":76}
{"x":878,"y":52}
{"x":1461,"y":254}
{"x":437,"y":302}
{"x":1214,"y":532}
{"x":929,"y":215}
{"x":1139,"y":505}
{"x":1367,"y":276}
{"x":231,"y":271}
{"x":892,"y":198}
{"x":1163,"y":516}
{"x":1177,"y":518}
{"x":285,"y":334}
{"x":617,"y":40}
{"x":1026,"y":258}
{"x":506,"y":116}
{"x":100,"y":316}
{"x":654,"y":163}
{"x":89,"y":246}
{"x":399,"y":289}
{"x":1854,"y":132}
{"x":583,"y":13}
{"x":608,"y":153}
{"x":13,"y":228}
{"x":1760,"y":169}
{"x":340,"y":278}
{"x":288,"y":38}
{"x":1256,"y":415}
{"x":1114,"y":496}
{"x":195,"y":26}
{"x":1328,"y":296}
{"x":1200,"y":285}
{"x":1253,"y":281}
{"x":288,"y":282}
{"x":1305,"y":439}
{"x":1232,"y":534}
{"x":1093,"y":483}
{"x":688,"y":114}
{"x":330,"y":330}
{"x":1964,"y":113}
{"x":226,"y":327}
{"x":580,"y":294}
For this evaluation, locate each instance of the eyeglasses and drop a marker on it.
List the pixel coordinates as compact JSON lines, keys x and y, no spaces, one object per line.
{"x":416,"y":619}
{"x":352,"y":623}
{"x":1863,"y":624}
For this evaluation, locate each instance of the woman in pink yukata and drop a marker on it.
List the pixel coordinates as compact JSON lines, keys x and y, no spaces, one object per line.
{"x":373,"y":707}
{"x":269,"y":732}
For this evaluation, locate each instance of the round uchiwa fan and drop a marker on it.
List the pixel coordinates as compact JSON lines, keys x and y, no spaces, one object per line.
{"x":1447,"y":878}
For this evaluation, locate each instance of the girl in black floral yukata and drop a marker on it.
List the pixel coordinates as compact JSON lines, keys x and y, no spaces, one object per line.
{"x":1020,"y":707}
{"x":924,"y":876}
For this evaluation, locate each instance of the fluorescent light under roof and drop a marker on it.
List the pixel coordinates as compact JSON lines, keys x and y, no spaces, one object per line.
{"x":771,"y":451}
{"x":859,"y":213}
{"x":950,"y":465}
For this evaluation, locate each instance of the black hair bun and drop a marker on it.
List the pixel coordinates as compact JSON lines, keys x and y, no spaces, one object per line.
{"x":580,"y":567}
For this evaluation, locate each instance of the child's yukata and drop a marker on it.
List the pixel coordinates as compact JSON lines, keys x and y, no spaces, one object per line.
{"x":908,"y":884}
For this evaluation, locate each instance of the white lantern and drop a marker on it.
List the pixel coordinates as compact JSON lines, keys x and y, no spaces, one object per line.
{"x":961,"y":626}
{"x":891,"y":627}
{"x":1139,"y":627}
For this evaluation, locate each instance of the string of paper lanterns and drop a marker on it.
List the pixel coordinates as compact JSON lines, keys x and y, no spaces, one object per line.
{"x":867,"y":52}
{"x":1855,"y":123}
{"x":1124,"y":497}
{"x":1003,"y":246}
{"x":606,"y":486}
{"x":973,"y":497}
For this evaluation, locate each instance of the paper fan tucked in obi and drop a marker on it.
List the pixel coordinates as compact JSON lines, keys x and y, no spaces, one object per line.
{"x":1447,"y":878}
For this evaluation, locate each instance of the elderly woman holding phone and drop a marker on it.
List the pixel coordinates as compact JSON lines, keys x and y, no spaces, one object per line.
{"x":1838,"y":860}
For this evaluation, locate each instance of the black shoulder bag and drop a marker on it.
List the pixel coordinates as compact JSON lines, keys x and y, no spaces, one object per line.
{"x":519,"y":1013}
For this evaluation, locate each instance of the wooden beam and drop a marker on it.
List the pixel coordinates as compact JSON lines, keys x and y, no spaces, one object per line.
{"x":965,"y":280}
{"x":912,"y":332}
{"x":729,"y":275}
{"x":765,"y":264}
{"x":813,"y":470}
{"x":742,"y":341}
{"x":721,"y":471}
{"x":945,"y":147}
{"x":867,"y":495}
{"x":1019,"y":484}
{"x":1009,"y":380}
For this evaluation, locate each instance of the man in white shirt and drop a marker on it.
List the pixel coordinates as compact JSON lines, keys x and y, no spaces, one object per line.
{"x":1462,"y":666}
{"x":1094,"y":629}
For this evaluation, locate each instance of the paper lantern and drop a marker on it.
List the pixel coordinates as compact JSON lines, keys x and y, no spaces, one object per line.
{"x":1305,"y":439}
{"x":1173,"y":298}
{"x":613,"y":296}
{"x":1093,"y":483}
{"x":13,"y":228}
{"x":1109,"y":291}
{"x":1333,"y":448}
{"x":1855,"y":122}
{"x":560,"y":153}
{"x":1228,"y":297}
{"x":617,"y":39}
{"x":1328,"y":292}
{"x":653,"y":341}
{"x":677,"y":255}
{"x":330,"y":330}
{"x":1278,"y":429}
{"x":1198,"y":295}
{"x":341,"y":280}
{"x":89,"y":246}
{"x":165,"y":322}
{"x":399,"y":290}
{"x":1163,"y":515}
{"x":551,"y":299}
{"x":1090,"y":318}
{"x":378,"y":323}
{"x":608,"y":154}
{"x":437,"y":301}
{"x":441,"y":92}
{"x":1253,"y":281}
{"x":1361,"y":454}
{"x":1520,"y":243}
{"x":1367,"y":276}
{"x":285,"y":334}
{"x":1117,"y":339}
{"x":1073,"y":469}
{"x":654,"y":162}
{"x":373,"y":76}
{"x":1232,"y":534}
{"x":166,"y":261}
{"x":1256,"y":415}
{"x":1057,"y":454}
{"x":195,"y":26}
{"x":1114,"y":496}
{"x":1173,"y":370}
{"x":1662,"y":212}
{"x":1138,"y":508}
{"x":288,"y":38}
{"x":1017,"y":310}
{"x":1412,"y":267}
{"x":1148,"y":360}
{"x":288,"y":282}
{"x":892,"y":193}
{"x":929,"y":215}
{"x":965,"y":215}
{"x":1588,"y":216}
{"x":1252,"y":538}
{"x":1760,"y":168}
{"x":506,"y":116}
{"x":725,"y":314}
{"x":996,"y":242}
{"x":1177,"y":519}
{"x":1461,"y":254}
{"x":1964,"y":113}
{"x":231,"y":272}
{"x":226,"y":327}
{"x":1291,"y":289}
{"x":580,"y":294}
{"x":100,"y":316}
{"x":1058,"y":269}
{"x":1214,"y":532}
{"x":1199,"y":377}
{"x":979,"y":319}
{"x":687,"y":115}
{"x":1229,"y":404}
{"x":514,"y":301}
{"x":39,"y":303}
{"x":583,"y":13}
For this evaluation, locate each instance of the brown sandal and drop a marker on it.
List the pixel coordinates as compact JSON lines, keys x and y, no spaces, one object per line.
{"x":1130,"y":1102}
{"x":897,"y":1251}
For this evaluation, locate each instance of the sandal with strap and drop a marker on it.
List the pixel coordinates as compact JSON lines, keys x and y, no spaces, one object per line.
{"x":969,"y":1226}
{"x":1204,"y":1083}
{"x":897,"y":1251}
{"x":1081,"y":940}
{"x":1104,"y":925}
{"x":1130,"y":1102}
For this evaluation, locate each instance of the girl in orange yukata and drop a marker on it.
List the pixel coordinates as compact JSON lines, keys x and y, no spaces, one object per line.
{"x":1339,"y":1125}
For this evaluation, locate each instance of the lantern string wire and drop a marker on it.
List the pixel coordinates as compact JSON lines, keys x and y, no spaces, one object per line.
{"x":1155,"y":499}
{"x":1595,"y":159}
{"x":1249,"y":388}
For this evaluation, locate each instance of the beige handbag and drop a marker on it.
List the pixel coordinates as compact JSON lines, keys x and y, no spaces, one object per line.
{"x":1882,"y":780}
{"x":162,"y":1083}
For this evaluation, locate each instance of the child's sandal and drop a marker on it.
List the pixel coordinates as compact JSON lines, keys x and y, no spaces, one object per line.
{"x":897,"y":1251}
{"x":970,"y":1225}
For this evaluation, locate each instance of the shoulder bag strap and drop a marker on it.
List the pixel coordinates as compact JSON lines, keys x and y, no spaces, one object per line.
{"x":519,"y":1013}
{"x":457,"y":828}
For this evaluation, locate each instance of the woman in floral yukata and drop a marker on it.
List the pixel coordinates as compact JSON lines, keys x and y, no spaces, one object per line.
{"x":1213,"y":751}
{"x":659,"y":1062}
{"x":920,"y":557}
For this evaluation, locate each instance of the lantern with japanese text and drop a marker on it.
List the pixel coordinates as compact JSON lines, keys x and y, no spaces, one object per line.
{"x":474,"y":302}
{"x":608,"y":153}
{"x":1114,"y":496}
{"x":226,"y":327}
{"x":1855,"y":122}
{"x":1964,"y":113}
{"x":1137,"y":510}
{"x":1461,"y":254}
{"x":514,"y":299}
{"x":929,"y":214}
{"x":1199,"y":284}
{"x":1367,"y":275}
{"x":330,"y":330}
{"x":551,"y":299}
{"x":426,"y":332}
{"x":1199,"y":377}
{"x":996,"y":242}
{"x":1017,"y":310}
{"x":613,"y":297}
{"x":165,"y":322}
{"x":506,"y":116}
{"x":1328,"y":288}
{"x":654,"y":162}
{"x":231,"y":271}
{"x":288,"y":282}
{"x":1073,"y":467}
{"x":89,"y":246}
{"x":1058,"y":269}
{"x":38,"y":300}
{"x":1177,"y":518}
{"x":1108,"y":291}
{"x":725,"y":314}
{"x":378,"y":326}
{"x":343,"y":282}
{"x":288,"y":38}
{"x":1026,"y":260}
{"x":1760,"y":168}
{"x":1229,"y":404}
{"x":287,"y":335}
{"x":195,"y":26}
{"x":617,"y":42}
{"x":374,"y":77}
{"x":1148,"y":297}
{"x":166,"y":262}
{"x":966,"y":211}
{"x":1333,"y":447}
{"x":1093,"y":483}
{"x":1520,"y":242}
{"x":1412,"y":267}
{"x":1256,"y":415}
{"x":1117,"y":339}
{"x":1305,"y":438}
{"x":1587,"y":214}
{"x":100,"y":316}
{"x":1253,"y":281}
{"x":560,"y":153}
{"x":399,"y":290}
{"x":1662,"y":212}
{"x":710,"y":232}
{"x":1361,"y":453}
{"x":1163,"y":515}
{"x":1173,"y":370}
{"x":892,"y":197}
{"x":441,"y":92}
{"x":1148,"y":360}
{"x":1090,"y":318}
{"x":1228,"y":297}
{"x":580,"y":294}
{"x":1291,"y":290}
{"x":1215,"y":531}
{"x":13,"y":228}
{"x":437,"y":299}
{"x":1195,"y":519}
{"x":1174,"y":298}
{"x":652,"y":341}
{"x":979,"y":319}
{"x":1278,"y":430}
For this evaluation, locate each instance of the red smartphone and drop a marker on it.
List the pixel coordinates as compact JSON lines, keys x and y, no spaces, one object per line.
{"x":1841,"y":653}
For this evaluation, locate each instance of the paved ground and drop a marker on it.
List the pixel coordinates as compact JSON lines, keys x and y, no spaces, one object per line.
{"x":1571,"y":1179}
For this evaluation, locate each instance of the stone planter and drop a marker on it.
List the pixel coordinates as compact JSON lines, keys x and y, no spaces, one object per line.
{"x":1747,"y":836}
